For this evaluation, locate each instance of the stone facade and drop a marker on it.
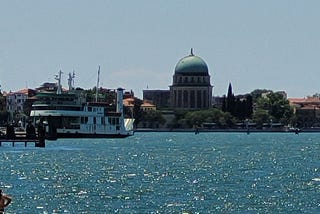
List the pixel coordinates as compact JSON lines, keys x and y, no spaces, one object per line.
{"x":191,"y":88}
{"x":160,"y":98}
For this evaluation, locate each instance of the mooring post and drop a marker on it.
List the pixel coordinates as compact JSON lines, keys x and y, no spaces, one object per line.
{"x":41,"y":143}
{"x":41,"y":134}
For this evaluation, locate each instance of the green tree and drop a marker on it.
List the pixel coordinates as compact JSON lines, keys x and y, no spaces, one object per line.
{"x":226,"y":120}
{"x":197,"y":118}
{"x":277,"y":106}
{"x":137,"y":111}
{"x":230,"y":102}
{"x":154,"y":118}
{"x":179,"y":120}
{"x":261,"y":116}
{"x":258,"y":92}
{"x":4,"y":115}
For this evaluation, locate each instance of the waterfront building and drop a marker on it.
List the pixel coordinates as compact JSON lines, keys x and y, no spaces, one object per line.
{"x":147,"y":106}
{"x":191,"y":88}
{"x":160,"y":98}
{"x":307,"y":111}
{"x":15,"y":100}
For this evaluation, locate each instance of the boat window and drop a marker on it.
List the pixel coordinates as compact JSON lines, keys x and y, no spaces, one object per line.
{"x":84,"y":120}
{"x":113,"y":120}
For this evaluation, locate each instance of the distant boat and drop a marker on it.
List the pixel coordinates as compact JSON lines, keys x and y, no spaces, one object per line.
{"x":69,"y":116}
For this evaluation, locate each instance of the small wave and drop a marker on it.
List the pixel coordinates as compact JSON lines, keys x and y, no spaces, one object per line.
{"x":316,"y":179}
{"x":130,"y":175}
{"x":22,"y":178}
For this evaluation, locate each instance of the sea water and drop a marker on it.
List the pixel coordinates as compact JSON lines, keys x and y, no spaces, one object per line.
{"x":166,"y":173}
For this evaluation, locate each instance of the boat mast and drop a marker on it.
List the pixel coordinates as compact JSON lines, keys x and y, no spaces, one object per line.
{"x":58,"y":77}
{"x":97,"y":87}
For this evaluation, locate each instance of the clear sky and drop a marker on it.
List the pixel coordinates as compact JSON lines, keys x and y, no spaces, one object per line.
{"x":270,"y":44}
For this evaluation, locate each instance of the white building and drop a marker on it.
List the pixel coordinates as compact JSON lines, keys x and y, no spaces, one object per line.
{"x":16,"y":100}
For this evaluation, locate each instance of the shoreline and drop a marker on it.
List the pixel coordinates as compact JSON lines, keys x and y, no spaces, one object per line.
{"x":306,"y":130}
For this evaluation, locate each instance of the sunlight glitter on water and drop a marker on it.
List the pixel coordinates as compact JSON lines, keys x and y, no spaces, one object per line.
{"x":166,"y":172}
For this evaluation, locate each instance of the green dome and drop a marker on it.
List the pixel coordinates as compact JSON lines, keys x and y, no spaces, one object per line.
{"x":191,"y":65}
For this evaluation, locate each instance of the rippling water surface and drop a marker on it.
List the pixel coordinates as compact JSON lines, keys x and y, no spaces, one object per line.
{"x":166,"y":173}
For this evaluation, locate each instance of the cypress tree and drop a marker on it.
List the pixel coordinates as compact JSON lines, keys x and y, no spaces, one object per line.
{"x":224,"y":104}
{"x":230,"y":100}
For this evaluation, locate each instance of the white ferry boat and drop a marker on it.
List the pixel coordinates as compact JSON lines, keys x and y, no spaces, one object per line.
{"x":69,"y":115}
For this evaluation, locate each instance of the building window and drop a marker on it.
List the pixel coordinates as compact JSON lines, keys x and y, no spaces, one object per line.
{"x":185,"y":99}
{"x":198,"y":99}
{"x":205,"y":99}
{"x":192,"y":99}
{"x":179,"y":99}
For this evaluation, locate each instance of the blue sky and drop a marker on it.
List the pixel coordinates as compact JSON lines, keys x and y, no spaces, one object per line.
{"x":252,"y":44}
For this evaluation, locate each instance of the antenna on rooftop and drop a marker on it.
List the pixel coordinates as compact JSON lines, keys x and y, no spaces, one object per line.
{"x":58,"y":77}
{"x":71,"y":81}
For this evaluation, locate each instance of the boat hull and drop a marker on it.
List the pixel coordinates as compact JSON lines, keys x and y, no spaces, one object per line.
{"x":86,"y":135}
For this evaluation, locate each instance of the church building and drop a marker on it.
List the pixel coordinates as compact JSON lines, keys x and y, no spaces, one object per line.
{"x":191,"y":88}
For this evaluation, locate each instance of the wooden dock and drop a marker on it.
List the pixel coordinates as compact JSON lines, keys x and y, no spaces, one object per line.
{"x":21,"y":138}
{"x":30,"y":135}
{"x":14,"y":141}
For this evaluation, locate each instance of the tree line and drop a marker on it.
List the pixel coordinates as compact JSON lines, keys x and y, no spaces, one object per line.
{"x":260,"y":107}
